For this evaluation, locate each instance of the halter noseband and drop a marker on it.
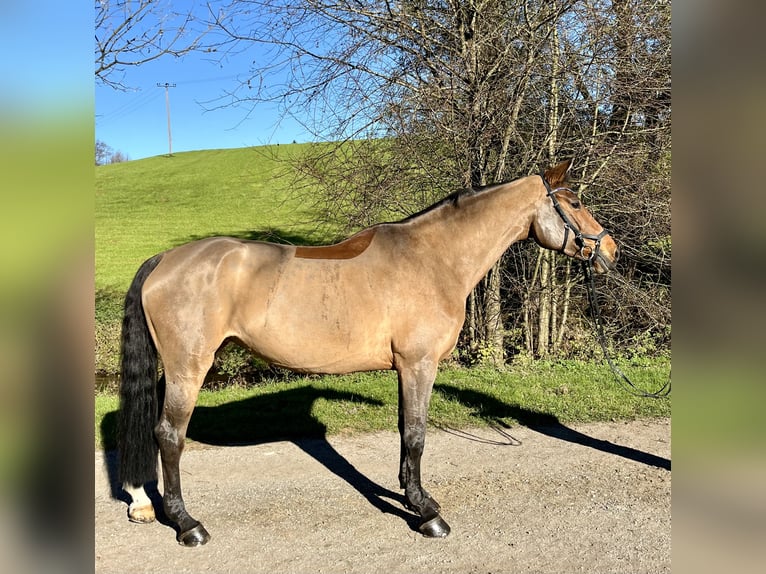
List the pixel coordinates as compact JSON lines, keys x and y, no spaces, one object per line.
{"x":580,"y":237}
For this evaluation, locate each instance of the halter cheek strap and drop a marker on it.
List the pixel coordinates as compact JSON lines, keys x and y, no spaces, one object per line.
{"x":580,"y":237}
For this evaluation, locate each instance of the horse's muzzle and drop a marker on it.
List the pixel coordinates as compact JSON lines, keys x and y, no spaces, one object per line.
{"x":606,"y":259}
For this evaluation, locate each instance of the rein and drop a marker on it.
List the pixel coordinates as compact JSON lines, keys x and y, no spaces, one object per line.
{"x":587,"y":266}
{"x":620,"y":377}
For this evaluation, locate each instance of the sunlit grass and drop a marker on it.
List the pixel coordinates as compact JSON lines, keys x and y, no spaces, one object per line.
{"x":537,"y":393}
{"x":146,"y":206}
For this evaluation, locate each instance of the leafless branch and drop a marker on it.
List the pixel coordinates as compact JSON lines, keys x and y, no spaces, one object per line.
{"x":131,"y":33}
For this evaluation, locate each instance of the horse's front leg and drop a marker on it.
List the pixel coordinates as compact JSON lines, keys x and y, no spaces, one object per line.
{"x":404,"y":460}
{"x":415,"y":385}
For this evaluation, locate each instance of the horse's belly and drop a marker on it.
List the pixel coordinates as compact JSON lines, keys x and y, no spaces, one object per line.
{"x":334,"y":366}
{"x":318,"y":354}
{"x":316,"y":345}
{"x":322,"y":317}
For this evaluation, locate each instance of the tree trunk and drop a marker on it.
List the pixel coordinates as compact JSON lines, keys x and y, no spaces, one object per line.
{"x":493,"y":323}
{"x":544,"y":313}
{"x":548,"y":308}
{"x":483,"y":330}
{"x":568,"y":282}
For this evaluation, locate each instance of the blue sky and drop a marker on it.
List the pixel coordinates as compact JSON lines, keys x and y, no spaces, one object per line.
{"x":47,"y":63}
{"x":135,"y":121}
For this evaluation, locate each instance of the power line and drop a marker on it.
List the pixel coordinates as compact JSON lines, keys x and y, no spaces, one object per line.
{"x":134,"y":104}
{"x":167,"y":85}
{"x":207,"y":80}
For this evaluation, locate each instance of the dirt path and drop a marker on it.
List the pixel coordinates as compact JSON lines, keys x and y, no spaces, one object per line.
{"x":594,"y":498}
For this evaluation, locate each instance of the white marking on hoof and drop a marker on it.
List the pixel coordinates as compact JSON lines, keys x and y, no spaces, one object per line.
{"x":141,"y":514}
{"x":140,"y":509}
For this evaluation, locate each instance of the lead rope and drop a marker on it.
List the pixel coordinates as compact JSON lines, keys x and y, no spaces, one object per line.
{"x":619,"y":376}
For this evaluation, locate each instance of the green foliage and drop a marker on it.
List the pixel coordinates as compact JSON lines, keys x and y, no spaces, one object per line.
{"x":658,"y":249}
{"x":484,"y":354}
{"x":235,"y":363}
{"x":645,"y":345}
{"x":109,"y":308}
{"x":232,"y":360}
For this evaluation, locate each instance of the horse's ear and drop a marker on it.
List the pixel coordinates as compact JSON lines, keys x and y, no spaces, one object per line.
{"x":558,"y":175}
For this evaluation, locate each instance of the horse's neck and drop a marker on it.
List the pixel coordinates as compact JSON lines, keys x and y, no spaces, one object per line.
{"x":473,"y":235}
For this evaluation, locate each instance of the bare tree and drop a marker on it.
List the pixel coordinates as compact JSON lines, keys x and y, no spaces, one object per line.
{"x":119,"y":157}
{"x":441,"y":86}
{"x":131,"y":33}
{"x":103,"y":152}
{"x":614,"y":113}
{"x":420,"y":96}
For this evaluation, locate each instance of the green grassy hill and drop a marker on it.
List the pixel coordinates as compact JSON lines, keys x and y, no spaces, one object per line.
{"x":145,"y":206}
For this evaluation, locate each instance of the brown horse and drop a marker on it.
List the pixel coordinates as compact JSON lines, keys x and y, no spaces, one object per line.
{"x":390,"y":297}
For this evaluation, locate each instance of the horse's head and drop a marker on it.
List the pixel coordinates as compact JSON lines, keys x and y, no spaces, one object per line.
{"x":562,"y":223}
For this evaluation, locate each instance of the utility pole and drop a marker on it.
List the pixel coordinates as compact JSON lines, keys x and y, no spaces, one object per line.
{"x":166,"y":85}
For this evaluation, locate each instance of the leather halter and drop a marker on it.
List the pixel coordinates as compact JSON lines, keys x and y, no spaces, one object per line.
{"x":580,"y":237}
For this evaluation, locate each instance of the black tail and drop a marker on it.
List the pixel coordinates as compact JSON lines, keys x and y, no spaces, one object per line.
{"x":138,"y":387}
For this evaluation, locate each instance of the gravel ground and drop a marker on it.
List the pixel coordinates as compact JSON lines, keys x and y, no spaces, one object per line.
{"x":590,"y":498}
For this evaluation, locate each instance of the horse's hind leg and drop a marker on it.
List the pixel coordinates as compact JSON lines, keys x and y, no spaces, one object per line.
{"x":181,"y":393}
{"x":415,"y":385}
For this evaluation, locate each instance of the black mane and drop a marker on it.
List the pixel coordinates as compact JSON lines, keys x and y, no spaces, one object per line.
{"x":452,"y":199}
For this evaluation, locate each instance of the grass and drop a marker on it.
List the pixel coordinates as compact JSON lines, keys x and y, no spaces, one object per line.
{"x":538,"y":393}
{"x":146,"y":206}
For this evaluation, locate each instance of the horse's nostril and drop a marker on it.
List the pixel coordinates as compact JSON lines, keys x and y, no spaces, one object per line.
{"x":616,"y":253}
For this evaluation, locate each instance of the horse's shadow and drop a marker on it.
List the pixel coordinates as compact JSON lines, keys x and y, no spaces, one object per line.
{"x":492,"y":410}
{"x":287,"y":415}
{"x":283,"y":415}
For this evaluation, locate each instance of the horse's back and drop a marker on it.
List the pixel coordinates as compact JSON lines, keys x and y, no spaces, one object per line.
{"x":216,"y":265}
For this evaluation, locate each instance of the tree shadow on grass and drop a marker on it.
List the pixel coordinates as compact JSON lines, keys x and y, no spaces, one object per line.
{"x":270,"y":234}
{"x":493,"y":410}
{"x":279,"y":416}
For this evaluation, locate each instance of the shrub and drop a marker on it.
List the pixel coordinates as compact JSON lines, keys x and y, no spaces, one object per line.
{"x":234,"y":362}
{"x":109,"y":309}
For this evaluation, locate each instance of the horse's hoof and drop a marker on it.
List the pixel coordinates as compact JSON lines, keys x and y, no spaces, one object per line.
{"x":141,"y":514}
{"x":196,"y":536}
{"x":435,"y":528}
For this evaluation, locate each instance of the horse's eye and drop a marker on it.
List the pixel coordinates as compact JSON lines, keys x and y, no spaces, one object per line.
{"x":575,"y":205}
